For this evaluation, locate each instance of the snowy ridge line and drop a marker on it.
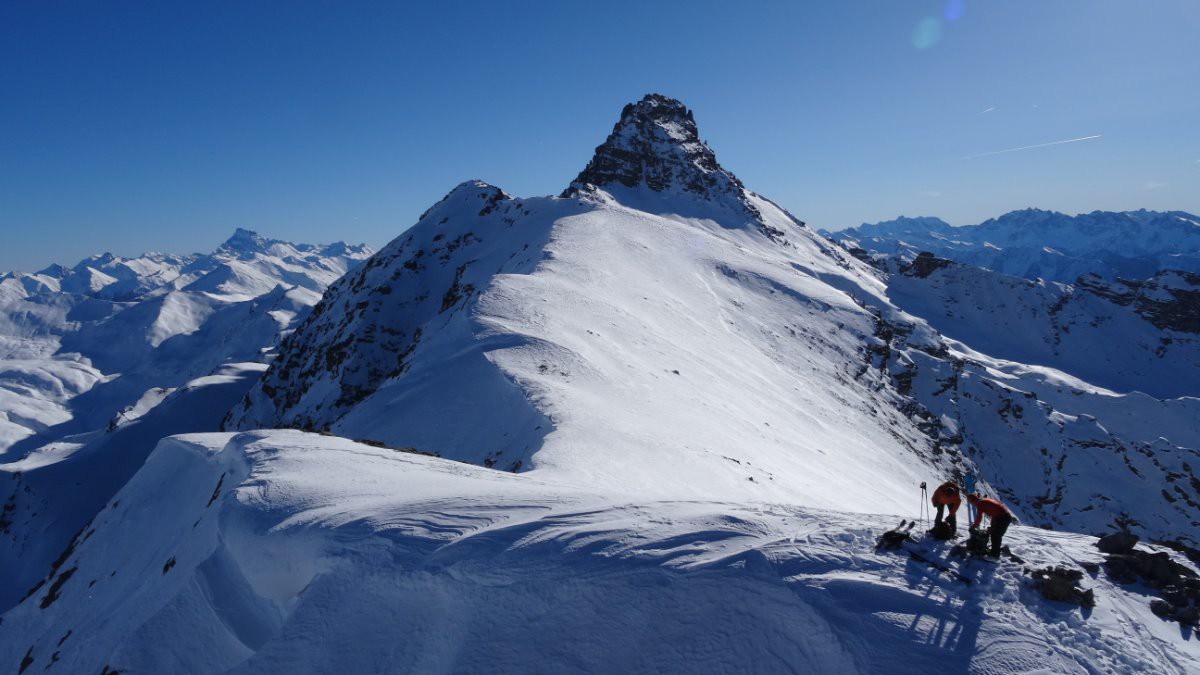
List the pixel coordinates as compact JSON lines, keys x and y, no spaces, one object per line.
{"x":237,"y":545}
{"x":51,"y":493}
{"x":662,"y":342}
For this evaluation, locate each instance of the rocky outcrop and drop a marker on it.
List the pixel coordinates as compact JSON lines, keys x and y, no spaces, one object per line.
{"x":1061,"y":584}
{"x":1170,"y":299}
{"x":655,"y":144}
{"x":924,"y":264}
{"x":1177,"y":586}
{"x":1117,"y":542}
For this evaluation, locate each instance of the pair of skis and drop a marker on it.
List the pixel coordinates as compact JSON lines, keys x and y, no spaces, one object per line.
{"x":898,"y":537}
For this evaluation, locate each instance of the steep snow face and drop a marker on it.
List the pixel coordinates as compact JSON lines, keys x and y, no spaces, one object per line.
{"x":392,"y":351}
{"x":281,"y":552}
{"x":1043,"y":244}
{"x":1123,"y":336}
{"x":76,"y":349}
{"x":49,"y":495}
{"x":730,"y":366}
{"x":654,"y":352}
{"x":1039,"y":386}
{"x":657,"y":353}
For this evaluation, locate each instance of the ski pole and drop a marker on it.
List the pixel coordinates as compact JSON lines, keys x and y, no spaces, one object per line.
{"x":924,"y":510}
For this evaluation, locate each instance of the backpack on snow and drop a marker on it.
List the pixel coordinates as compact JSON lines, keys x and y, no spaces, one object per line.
{"x":978,"y":543}
{"x":942,"y":531}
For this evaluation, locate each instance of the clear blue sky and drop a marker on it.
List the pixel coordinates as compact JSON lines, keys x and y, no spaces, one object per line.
{"x":131,"y":126}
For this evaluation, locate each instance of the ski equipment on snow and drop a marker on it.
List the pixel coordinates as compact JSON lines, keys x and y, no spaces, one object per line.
{"x":969,"y":487}
{"x":924,"y":504}
{"x":900,"y":538}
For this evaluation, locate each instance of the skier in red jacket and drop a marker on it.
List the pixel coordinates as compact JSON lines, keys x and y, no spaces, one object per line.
{"x":997,"y":513}
{"x":947,"y":497}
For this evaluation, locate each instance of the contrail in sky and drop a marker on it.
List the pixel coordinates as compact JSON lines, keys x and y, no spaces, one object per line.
{"x":1030,"y":147}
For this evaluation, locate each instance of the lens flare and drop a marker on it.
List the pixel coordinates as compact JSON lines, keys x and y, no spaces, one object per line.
{"x":954,"y":10}
{"x":927,"y":32}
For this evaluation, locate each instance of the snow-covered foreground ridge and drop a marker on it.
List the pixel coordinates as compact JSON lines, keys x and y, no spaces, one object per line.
{"x":286,"y":552}
{"x":93,"y":375}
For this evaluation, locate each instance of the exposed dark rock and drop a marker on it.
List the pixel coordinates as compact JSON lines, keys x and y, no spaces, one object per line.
{"x":1117,"y":542}
{"x":656,"y":144}
{"x":1192,"y":554}
{"x":924,"y":264}
{"x":1060,"y":584}
{"x":1178,"y":586}
{"x":1153,"y":569}
{"x":1170,"y":299}
{"x":56,"y":588}
{"x":216,"y":491}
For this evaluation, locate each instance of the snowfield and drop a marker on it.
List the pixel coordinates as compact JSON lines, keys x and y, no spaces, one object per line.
{"x":291,"y":552}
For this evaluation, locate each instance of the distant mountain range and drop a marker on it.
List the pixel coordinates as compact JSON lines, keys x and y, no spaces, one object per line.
{"x":80,"y":344}
{"x":1044,"y":244}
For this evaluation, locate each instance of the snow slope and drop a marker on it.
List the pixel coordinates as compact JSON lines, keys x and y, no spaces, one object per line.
{"x":703,"y":344}
{"x":1122,"y":336}
{"x":53,"y":492}
{"x":91,"y":379}
{"x":1032,"y":243}
{"x":670,"y":332}
{"x":287,"y":552}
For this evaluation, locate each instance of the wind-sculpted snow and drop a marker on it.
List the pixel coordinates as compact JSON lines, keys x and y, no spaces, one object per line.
{"x":55,"y":490}
{"x":284,"y":552}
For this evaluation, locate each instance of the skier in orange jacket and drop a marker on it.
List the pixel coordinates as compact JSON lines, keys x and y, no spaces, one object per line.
{"x":997,"y":513}
{"x":947,"y":497}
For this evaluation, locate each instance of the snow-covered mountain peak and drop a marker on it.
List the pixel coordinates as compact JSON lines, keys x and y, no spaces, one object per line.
{"x":654,"y":160}
{"x":245,"y":241}
{"x":55,"y":270}
{"x":465,"y":195}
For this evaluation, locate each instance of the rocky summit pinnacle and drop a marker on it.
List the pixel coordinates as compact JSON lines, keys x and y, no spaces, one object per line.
{"x":656,"y":144}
